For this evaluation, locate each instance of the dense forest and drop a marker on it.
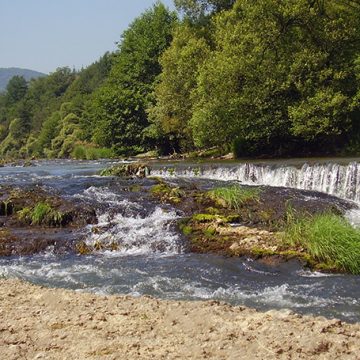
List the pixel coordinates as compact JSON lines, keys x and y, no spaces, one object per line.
{"x":256,"y":77}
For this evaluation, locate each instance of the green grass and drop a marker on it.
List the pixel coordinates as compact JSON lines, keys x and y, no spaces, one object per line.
{"x":327,"y":238}
{"x":234,"y":196}
{"x":42,"y":214}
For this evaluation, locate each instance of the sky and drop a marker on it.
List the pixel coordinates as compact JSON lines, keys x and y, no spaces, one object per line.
{"x":43,"y":35}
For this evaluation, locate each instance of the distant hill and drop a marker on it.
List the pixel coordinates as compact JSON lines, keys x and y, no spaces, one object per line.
{"x":7,"y":73}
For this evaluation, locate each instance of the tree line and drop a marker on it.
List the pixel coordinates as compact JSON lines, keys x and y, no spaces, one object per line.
{"x":257,"y":77}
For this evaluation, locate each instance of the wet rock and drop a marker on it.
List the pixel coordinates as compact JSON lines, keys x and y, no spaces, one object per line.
{"x":32,"y":220}
{"x":252,"y":225}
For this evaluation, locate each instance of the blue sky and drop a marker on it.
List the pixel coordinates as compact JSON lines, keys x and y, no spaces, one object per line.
{"x":45,"y":34}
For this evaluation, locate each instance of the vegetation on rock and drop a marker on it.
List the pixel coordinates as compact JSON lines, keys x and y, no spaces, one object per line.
{"x":265,"y":223}
{"x":43,"y":214}
{"x":127,"y":170}
{"x":327,"y":238}
{"x":44,"y":217}
{"x":234,"y":196}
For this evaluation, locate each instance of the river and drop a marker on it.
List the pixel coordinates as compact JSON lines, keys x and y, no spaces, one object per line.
{"x":153,"y":259}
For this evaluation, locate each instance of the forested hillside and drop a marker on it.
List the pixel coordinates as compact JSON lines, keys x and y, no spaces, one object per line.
{"x":7,"y":73}
{"x":258,"y":77}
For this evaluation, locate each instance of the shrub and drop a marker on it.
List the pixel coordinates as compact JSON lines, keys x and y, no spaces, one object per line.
{"x":79,"y":152}
{"x":82,"y":152}
{"x":93,"y":153}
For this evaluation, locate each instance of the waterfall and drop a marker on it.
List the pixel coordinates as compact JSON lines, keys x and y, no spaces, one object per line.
{"x":330,"y":178}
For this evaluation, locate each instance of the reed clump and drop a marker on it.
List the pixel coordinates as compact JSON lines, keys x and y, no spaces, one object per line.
{"x":327,"y":238}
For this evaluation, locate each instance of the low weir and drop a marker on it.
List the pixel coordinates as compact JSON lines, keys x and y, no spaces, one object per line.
{"x":341,"y":180}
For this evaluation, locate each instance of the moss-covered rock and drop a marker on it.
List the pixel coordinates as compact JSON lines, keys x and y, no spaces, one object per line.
{"x":167,"y":193}
{"x":43,"y":217}
{"x":44,"y":214}
{"x":136,"y":169}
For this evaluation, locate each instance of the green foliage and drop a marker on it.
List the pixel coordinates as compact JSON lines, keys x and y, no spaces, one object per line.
{"x":202,"y":218}
{"x":94,"y":153}
{"x":79,"y":152}
{"x":17,"y":131}
{"x":197,"y":10}
{"x":25,"y":214}
{"x":119,"y":106}
{"x":279,"y":70}
{"x":86,"y":152}
{"x":209,"y":218}
{"x":64,"y":143}
{"x":265,"y":77}
{"x":42,"y":214}
{"x":173,"y":108}
{"x":327,"y":238}
{"x":167,"y":193}
{"x":234,"y":196}
{"x":16,"y":89}
{"x":27,"y":107}
{"x":48,"y":132}
{"x":39,"y":213}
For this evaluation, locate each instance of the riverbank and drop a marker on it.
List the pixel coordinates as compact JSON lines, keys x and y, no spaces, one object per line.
{"x":43,"y":323}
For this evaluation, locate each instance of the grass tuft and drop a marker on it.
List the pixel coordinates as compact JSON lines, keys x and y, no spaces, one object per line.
{"x":326,"y":238}
{"x":42,"y":214}
{"x":234,"y":196}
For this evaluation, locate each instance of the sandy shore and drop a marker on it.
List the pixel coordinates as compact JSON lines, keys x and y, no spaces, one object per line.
{"x":42,"y":323}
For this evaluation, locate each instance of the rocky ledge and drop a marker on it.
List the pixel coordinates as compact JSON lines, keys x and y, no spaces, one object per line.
{"x":32,"y":219}
{"x":241,"y":220}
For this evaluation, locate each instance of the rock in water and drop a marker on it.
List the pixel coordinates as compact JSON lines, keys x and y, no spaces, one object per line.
{"x":138,"y":170}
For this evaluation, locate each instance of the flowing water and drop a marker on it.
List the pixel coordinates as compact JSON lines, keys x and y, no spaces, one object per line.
{"x":152,"y":257}
{"x":342,"y":180}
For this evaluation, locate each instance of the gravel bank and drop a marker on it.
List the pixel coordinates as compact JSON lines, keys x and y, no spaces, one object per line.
{"x":42,"y":323}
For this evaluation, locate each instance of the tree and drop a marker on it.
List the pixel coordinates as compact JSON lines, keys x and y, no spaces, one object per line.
{"x":49,"y":130}
{"x":119,"y":106}
{"x":280,"y":71}
{"x":198,"y":9}
{"x":173,"y":93}
{"x":64,"y":143}
{"x":16,"y":89}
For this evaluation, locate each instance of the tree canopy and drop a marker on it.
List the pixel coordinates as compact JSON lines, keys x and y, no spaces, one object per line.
{"x":263,"y":77}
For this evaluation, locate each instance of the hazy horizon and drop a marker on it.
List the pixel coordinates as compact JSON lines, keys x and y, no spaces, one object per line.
{"x":43,"y":35}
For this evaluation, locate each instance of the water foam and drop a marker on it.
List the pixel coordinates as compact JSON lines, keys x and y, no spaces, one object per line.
{"x":136,"y":234}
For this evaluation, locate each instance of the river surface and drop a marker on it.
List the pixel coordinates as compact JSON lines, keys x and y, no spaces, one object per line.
{"x":153,"y":259}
